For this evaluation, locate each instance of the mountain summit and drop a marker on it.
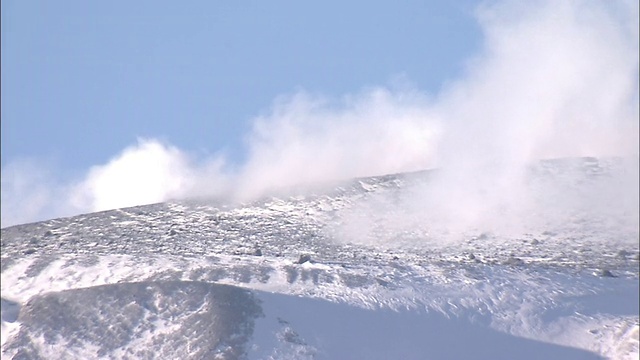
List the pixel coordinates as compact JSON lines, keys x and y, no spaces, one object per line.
{"x":541,"y":262}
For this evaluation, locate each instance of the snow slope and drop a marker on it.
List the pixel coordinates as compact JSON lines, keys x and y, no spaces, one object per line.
{"x":356,"y":270}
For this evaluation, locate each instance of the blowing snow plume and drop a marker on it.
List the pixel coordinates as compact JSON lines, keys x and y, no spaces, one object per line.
{"x":552,"y":79}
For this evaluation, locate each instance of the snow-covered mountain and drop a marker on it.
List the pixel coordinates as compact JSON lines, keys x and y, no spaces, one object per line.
{"x":374,"y":268}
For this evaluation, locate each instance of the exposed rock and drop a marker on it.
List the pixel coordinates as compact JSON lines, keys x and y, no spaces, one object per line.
{"x":605,"y":273}
{"x":512,"y":260}
{"x":304,"y":258}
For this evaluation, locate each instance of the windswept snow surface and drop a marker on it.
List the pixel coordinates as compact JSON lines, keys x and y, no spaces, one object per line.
{"x":358,"y":271}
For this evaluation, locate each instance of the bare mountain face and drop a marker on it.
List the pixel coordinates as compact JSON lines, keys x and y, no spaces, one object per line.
{"x":398,"y":266}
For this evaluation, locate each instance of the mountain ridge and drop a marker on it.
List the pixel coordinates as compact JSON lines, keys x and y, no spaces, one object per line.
{"x":363,"y":245}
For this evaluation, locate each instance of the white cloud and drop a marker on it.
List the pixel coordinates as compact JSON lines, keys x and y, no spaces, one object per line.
{"x":24,"y":192}
{"x":30,"y":192}
{"x":552,"y":79}
{"x":148,"y":172}
{"x":145,"y":173}
{"x":308,"y":139}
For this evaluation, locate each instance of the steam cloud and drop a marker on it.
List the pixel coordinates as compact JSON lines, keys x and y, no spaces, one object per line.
{"x":553,"y":79}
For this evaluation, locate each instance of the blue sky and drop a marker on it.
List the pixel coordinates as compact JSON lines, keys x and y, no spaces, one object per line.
{"x":94,"y":76}
{"x":110,"y":104}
